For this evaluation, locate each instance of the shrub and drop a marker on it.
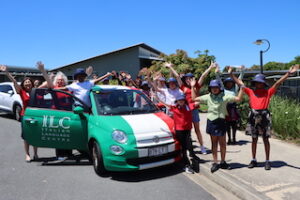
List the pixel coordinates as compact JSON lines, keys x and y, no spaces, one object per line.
{"x":285,"y":117}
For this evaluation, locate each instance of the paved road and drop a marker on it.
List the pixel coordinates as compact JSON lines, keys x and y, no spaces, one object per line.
{"x":20,"y":180}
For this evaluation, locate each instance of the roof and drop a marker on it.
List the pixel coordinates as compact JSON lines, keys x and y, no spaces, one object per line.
{"x":112,"y":52}
{"x":19,"y":68}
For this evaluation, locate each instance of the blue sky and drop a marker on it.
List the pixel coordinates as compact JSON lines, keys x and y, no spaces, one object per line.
{"x":59,"y":32}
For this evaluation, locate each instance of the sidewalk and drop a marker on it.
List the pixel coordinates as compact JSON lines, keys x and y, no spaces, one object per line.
{"x":281,"y":182}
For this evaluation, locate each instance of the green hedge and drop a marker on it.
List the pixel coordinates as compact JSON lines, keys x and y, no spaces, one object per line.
{"x":285,"y":117}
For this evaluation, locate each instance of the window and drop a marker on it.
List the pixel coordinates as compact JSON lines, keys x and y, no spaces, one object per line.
{"x":5,"y":88}
{"x":44,"y":98}
{"x":123,"y":102}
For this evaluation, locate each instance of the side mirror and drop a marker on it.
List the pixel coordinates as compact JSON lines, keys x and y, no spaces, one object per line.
{"x":10,"y":92}
{"x":78,"y":110}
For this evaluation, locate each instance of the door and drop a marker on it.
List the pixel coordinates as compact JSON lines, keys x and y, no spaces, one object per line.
{"x":49,"y":121}
{"x":6,"y":97}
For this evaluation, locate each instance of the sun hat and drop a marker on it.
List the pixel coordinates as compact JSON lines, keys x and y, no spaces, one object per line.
{"x":161,"y":79}
{"x":180,"y":97}
{"x":79,"y":71}
{"x":190,"y":75}
{"x":259,"y":78}
{"x":228,"y":79}
{"x":145,"y":83}
{"x":172,"y":79}
{"x":214,"y":83}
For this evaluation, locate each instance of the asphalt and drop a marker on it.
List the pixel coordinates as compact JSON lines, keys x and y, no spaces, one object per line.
{"x":281,"y":182}
{"x":77,"y":181}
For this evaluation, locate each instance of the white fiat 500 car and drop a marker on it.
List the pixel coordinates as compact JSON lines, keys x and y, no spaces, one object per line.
{"x":10,"y":100}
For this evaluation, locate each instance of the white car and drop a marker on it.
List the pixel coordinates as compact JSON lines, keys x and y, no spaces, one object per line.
{"x":10,"y":100}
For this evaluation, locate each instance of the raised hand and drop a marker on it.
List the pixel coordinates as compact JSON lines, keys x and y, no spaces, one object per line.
{"x":229,"y":69}
{"x":40,"y":66}
{"x":128,"y":76}
{"x":193,"y":82}
{"x":168,"y":65}
{"x":3,"y":68}
{"x":212,"y":64}
{"x":89,"y":70}
{"x":114,"y":73}
{"x":294,"y":68}
{"x":51,"y":76}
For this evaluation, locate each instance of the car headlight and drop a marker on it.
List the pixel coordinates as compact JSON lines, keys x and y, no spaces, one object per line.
{"x":117,"y":150}
{"x":119,"y":136}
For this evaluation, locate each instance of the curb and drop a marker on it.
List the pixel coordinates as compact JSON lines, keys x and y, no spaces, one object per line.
{"x":233,"y":185}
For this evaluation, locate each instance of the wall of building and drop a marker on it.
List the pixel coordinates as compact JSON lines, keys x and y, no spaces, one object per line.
{"x":125,"y":60}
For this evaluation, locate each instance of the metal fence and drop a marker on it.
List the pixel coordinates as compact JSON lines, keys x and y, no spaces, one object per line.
{"x":290,"y":89}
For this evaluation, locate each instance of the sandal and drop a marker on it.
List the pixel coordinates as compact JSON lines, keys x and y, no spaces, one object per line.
{"x":28,"y":159}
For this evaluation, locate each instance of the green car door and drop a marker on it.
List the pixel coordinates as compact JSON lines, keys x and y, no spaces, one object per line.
{"x":52,"y":120}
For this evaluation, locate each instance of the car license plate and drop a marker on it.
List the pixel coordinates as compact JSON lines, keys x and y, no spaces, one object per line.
{"x":157,"y":151}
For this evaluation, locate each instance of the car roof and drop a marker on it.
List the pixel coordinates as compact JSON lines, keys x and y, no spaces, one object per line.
{"x":111,"y":87}
{"x":8,"y":83}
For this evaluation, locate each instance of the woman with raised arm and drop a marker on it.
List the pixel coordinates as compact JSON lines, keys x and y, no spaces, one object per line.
{"x":185,"y":86}
{"x":23,"y":90}
{"x":59,"y":80}
{"x":260,"y":118}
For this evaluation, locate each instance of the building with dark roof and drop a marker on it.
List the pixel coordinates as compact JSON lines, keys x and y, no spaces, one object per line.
{"x":130,"y":59}
{"x":21,"y":72}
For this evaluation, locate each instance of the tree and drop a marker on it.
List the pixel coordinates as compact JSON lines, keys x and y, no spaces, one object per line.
{"x":183,"y":63}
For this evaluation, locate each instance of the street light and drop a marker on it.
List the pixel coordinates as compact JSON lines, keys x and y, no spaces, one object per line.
{"x":259,"y":42}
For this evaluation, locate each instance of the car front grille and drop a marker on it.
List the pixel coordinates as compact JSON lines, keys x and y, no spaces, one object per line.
{"x":146,"y":160}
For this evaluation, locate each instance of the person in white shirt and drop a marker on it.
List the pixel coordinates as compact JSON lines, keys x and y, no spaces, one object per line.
{"x":81,"y":87}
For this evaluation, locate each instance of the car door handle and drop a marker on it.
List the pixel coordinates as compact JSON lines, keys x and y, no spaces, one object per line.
{"x":31,"y":121}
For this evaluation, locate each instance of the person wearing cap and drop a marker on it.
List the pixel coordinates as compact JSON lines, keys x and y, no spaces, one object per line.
{"x":259,"y":117}
{"x":182,"y":116}
{"x":185,"y":86}
{"x":216,"y":101}
{"x":233,"y":116}
{"x":81,"y":87}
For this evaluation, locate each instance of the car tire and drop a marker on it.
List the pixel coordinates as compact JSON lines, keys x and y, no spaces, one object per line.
{"x":98,"y":160}
{"x":17,"y":110}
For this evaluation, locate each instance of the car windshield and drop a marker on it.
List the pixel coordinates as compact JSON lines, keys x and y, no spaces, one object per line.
{"x":123,"y":102}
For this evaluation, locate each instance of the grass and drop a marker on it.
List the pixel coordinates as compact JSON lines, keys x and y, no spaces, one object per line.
{"x":285,"y":118}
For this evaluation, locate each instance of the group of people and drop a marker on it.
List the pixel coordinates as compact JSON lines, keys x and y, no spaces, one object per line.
{"x":179,"y":95}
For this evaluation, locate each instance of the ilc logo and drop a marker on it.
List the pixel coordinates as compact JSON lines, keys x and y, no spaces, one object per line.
{"x":49,"y":122}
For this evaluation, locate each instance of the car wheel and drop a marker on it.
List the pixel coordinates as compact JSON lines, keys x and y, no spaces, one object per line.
{"x":98,"y":160}
{"x":17,"y":110}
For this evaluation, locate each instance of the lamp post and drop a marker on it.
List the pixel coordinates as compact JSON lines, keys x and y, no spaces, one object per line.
{"x":259,"y":42}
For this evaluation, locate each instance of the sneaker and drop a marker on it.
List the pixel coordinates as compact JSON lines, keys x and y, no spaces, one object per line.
{"x":224,"y":165}
{"x":189,"y":170}
{"x":203,"y":150}
{"x":268,"y":165}
{"x":252,"y":164}
{"x":214,"y":167}
{"x":229,"y":142}
{"x":60,"y":158}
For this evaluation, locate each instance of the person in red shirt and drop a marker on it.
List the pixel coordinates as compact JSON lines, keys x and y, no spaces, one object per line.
{"x":185,"y":85}
{"x":259,"y":117}
{"x":182,"y":116}
{"x":23,"y":90}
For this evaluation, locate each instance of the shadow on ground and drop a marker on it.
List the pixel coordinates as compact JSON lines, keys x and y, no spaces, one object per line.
{"x":7,"y":116}
{"x":146,"y":175}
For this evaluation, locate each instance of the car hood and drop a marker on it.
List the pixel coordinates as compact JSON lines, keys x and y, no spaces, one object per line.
{"x":148,"y":129}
